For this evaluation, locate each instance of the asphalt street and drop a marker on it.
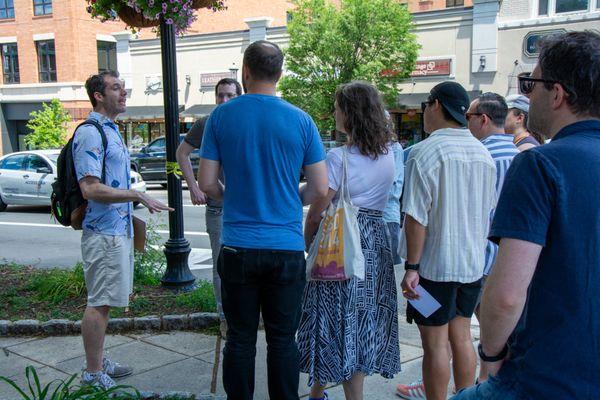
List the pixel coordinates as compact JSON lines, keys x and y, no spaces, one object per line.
{"x":29,"y":235}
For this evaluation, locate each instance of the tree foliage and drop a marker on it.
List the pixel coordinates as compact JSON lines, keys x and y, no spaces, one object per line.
{"x":334,"y":44}
{"x":48,"y":126}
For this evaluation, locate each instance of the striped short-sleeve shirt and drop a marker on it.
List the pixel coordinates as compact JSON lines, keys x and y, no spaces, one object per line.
{"x":449,"y":188}
{"x":502,"y":150}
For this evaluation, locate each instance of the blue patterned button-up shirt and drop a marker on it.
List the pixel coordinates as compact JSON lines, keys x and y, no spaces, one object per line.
{"x":88,"y":153}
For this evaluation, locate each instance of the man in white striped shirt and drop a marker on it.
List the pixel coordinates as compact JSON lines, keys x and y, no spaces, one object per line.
{"x":449,"y":192}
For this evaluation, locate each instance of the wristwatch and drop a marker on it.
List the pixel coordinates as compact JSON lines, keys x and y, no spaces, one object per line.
{"x":414,"y":267}
{"x":487,"y":358}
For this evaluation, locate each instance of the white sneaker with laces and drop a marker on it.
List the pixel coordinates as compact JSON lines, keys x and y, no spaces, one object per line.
{"x":98,"y":379}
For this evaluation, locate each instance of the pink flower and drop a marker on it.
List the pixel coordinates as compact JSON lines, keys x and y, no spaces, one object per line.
{"x":164,"y":7}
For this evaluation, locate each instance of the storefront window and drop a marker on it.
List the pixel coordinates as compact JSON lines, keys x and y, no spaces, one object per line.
{"x":410,"y":128}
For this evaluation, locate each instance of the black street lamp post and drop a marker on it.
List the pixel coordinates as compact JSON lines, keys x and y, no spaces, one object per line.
{"x":177,"y":249}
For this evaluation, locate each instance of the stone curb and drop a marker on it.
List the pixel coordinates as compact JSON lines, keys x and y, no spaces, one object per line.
{"x":57,"y":327}
{"x":179,"y":396}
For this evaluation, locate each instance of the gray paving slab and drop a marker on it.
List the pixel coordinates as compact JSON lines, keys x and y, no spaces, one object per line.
{"x":12,"y":341}
{"x":190,"y":375}
{"x":12,"y":364}
{"x":53,"y":350}
{"x":409,"y":352}
{"x":377,"y":387}
{"x":141,"y":356}
{"x":45,"y":374}
{"x":188,"y":343}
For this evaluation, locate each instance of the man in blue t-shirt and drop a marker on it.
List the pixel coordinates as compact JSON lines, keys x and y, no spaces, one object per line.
{"x":543,"y":290}
{"x":262,"y":143}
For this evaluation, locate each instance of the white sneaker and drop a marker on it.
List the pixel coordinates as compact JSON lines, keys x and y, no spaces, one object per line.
{"x":413,"y":391}
{"x":98,"y":379}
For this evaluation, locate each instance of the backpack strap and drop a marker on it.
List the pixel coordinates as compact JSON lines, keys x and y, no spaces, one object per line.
{"x":104,"y":143}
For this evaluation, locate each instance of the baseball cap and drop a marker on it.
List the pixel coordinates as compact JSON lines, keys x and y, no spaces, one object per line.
{"x":518,"y":101}
{"x":454,"y":99}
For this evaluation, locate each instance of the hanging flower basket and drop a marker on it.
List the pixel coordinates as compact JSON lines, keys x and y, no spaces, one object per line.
{"x":135,"y":19}
{"x":147,"y":13}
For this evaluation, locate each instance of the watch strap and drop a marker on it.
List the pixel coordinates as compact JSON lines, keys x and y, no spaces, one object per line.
{"x":413,"y":267}
{"x":495,"y":358}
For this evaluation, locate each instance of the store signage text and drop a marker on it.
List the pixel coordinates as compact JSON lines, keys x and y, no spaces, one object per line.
{"x":432,"y":68}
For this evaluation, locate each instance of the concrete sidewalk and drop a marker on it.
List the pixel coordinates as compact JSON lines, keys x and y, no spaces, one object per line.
{"x":178,"y":361}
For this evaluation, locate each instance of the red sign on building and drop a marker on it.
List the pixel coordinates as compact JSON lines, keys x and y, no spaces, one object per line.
{"x":432,"y":68}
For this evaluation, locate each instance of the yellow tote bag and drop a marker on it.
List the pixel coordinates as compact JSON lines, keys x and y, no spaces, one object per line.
{"x":335,"y":254}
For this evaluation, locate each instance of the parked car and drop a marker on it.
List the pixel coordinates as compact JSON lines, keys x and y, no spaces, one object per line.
{"x":150,"y":161}
{"x":26,"y":178}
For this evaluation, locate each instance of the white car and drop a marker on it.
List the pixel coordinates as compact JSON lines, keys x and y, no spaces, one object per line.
{"x":26,"y":178}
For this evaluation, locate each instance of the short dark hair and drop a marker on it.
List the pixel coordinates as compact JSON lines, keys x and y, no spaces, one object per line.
{"x":229,"y":81}
{"x":580,"y":76}
{"x":95,"y":83}
{"x":494,"y":106}
{"x":264,"y":60}
{"x":365,"y":120}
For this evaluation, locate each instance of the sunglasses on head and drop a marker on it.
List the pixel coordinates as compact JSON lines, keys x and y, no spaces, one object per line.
{"x":527,"y":83}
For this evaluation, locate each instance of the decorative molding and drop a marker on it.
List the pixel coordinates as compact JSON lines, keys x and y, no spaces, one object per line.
{"x":105,"y":38}
{"x":8,"y":39}
{"x":43,"y":36}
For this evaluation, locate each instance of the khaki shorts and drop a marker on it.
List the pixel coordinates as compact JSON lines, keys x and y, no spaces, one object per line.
{"x":108,"y":269}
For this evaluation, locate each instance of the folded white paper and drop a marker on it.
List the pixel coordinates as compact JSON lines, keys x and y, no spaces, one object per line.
{"x":426,"y":304}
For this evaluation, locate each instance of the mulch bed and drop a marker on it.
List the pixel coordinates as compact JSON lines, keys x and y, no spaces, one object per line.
{"x":20,"y":301}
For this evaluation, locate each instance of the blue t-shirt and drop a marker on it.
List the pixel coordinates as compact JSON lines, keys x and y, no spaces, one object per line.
{"x":262,"y":143}
{"x":551,"y":197}
{"x":88,"y":153}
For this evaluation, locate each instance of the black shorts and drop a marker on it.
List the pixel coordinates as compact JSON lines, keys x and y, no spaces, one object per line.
{"x":457,"y":299}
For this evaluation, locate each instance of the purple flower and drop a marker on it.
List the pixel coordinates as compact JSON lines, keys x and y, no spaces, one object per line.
{"x":151,"y":3}
{"x":164,"y":7}
{"x":169,"y":21}
{"x":175,"y":9}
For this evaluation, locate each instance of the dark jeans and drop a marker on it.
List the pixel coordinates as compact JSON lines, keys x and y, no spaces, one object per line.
{"x":271,"y":280}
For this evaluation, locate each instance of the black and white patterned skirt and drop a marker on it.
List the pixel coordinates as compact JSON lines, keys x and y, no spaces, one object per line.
{"x":352,"y":326}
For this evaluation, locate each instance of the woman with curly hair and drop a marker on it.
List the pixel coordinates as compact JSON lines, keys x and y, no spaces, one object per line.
{"x":349,"y":329}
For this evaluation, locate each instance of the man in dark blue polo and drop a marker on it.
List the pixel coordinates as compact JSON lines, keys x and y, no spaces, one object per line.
{"x":544,"y":289}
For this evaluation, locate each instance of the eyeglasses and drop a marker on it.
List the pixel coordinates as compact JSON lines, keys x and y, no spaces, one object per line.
{"x":424,"y":104}
{"x":527,"y":84}
{"x":468,"y":115}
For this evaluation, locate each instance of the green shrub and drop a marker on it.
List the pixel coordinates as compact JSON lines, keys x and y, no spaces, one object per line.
{"x":67,"y":390}
{"x":57,"y":285}
{"x":201,"y":298}
{"x":149,"y":267}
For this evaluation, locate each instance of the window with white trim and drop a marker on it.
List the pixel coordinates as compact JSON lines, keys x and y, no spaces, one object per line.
{"x":558,"y":7}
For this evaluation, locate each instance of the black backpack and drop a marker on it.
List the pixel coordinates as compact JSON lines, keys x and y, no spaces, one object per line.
{"x":68,"y":204}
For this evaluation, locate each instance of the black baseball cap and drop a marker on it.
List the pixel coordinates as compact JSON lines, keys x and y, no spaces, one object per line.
{"x":454,"y":99}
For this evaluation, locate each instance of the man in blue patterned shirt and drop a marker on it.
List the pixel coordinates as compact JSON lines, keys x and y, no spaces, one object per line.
{"x":486,"y":117}
{"x":107,"y":240}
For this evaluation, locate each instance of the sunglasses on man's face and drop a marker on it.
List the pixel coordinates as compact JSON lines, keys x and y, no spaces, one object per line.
{"x":527,"y":83}
{"x":424,"y":104}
